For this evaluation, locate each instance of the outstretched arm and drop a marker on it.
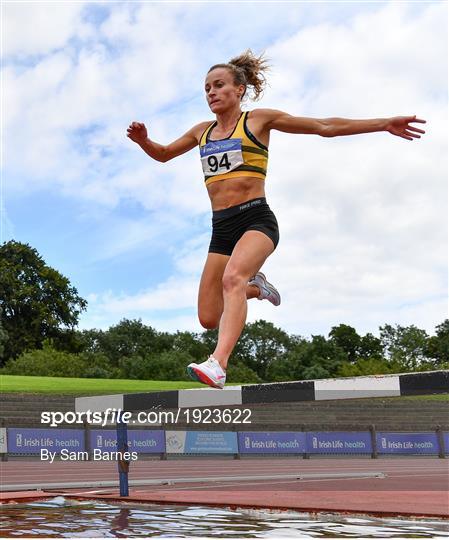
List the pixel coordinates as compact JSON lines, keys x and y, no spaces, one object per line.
{"x":137,"y":132}
{"x":334,"y":127}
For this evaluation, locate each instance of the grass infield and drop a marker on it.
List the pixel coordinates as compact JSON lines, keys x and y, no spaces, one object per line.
{"x":65,"y":385}
{"x":79,"y":387}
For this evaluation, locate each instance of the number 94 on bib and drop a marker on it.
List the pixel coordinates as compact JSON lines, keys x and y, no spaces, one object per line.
{"x":220,"y":157}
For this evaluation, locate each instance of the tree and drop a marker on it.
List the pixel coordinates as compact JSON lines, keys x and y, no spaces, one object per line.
{"x":239,"y":373}
{"x":191,"y":344}
{"x":404,"y":344}
{"x":437,"y":346}
{"x":355,"y":346}
{"x":368,"y":366}
{"x":370,"y":347}
{"x":260,"y":344}
{"x":316,"y":359}
{"x":3,"y":339}
{"x":36,"y":301}
{"x":347,"y":339}
{"x":164,"y":366}
{"x":47,"y":362}
{"x":128,"y":338}
{"x":321,"y":358}
{"x":286,"y":368}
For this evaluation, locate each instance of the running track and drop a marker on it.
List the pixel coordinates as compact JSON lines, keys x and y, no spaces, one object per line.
{"x":412,"y":486}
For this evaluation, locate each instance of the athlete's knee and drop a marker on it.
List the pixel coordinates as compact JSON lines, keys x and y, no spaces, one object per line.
{"x":209,"y":323}
{"x":233,"y":281}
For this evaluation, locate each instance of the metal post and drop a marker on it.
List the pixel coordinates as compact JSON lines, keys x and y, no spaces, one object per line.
{"x":440,"y":438}
{"x":123,"y":464}
{"x":87,"y":446}
{"x":163,"y":427}
{"x":237,"y":455}
{"x":372,"y":430}
{"x":305,"y":455}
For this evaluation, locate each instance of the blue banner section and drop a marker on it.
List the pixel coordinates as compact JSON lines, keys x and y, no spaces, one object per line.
{"x":211,"y":442}
{"x":266,"y":442}
{"x":407,"y":443}
{"x":139,"y":440}
{"x":216,"y":147}
{"x":339,"y":442}
{"x":32,"y":441}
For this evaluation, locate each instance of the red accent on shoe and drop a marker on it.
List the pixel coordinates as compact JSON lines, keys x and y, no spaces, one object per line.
{"x":205,"y":379}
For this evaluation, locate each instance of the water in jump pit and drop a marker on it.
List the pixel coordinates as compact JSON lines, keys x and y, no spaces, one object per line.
{"x":64,"y":518}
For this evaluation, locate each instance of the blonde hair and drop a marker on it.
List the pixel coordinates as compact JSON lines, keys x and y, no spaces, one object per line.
{"x":249,"y":70}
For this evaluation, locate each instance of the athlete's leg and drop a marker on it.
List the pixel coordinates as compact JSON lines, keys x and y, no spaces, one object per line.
{"x":210,"y":294}
{"x":248,"y":256}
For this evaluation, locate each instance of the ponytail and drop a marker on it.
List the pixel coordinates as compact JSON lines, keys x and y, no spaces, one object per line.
{"x":248,"y":70}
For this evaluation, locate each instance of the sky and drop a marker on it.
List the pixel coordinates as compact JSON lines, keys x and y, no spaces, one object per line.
{"x":363,"y":219}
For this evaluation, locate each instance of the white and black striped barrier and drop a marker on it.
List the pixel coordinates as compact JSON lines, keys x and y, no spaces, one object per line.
{"x":406,"y":384}
{"x":372,"y":386}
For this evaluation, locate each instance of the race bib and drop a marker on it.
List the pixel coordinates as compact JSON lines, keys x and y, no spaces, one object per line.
{"x":219,"y":157}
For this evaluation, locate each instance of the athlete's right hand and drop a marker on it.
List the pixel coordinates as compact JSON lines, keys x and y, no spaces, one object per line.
{"x":137,"y":132}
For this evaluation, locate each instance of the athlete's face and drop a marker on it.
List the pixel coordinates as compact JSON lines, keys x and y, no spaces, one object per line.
{"x":221,"y":92}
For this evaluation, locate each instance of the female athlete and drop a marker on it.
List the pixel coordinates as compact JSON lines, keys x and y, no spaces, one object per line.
{"x":234,"y":156}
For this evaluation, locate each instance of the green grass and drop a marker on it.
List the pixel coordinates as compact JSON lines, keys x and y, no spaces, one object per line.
{"x":66,"y":385}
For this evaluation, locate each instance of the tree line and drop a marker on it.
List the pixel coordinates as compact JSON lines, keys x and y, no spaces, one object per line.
{"x":39,"y":311}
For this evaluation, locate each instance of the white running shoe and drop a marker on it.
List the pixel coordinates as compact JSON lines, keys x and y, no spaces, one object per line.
{"x":267,"y":290}
{"x":209,"y":372}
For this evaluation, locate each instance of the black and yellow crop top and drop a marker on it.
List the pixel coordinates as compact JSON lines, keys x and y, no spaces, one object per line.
{"x":240,"y":154}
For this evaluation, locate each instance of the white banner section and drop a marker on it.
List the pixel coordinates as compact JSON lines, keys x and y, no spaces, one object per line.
{"x":3,"y":441}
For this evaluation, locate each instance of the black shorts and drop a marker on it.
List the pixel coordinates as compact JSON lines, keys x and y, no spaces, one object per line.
{"x":230,"y":224}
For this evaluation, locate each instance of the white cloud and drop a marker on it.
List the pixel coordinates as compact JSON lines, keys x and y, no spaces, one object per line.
{"x":363,"y":219}
{"x":161,"y":304}
{"x":89,"y":94}
{"x":36,"y":28}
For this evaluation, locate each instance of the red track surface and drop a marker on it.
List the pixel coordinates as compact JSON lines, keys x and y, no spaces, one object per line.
{"x":413,"y":486}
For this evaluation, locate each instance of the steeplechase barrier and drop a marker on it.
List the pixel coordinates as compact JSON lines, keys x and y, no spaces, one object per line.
{"x":23,"y":441}
{"x":405,"y":384}
{"x":322,"y":389}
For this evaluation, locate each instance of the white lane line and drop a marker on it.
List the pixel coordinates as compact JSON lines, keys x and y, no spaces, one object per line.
{"x":183,"y":480}
{"x":262,"y":483}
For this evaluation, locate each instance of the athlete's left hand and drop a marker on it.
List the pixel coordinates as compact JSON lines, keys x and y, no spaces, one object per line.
{"x":400,"y":126}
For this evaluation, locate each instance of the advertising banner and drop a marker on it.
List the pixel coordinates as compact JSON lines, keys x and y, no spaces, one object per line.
{"x":32,"y":441}
{"x":282,"y":442}
{"x":211,"y":442}
{"x":407,"y":443}
{"x":175,"y":442}
{"x":139,"y":440}
{"x":339,"y":442}
{"x":446,"y":443}
{"x":201,"y":442}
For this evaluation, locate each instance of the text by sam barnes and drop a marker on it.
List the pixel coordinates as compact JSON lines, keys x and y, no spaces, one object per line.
{"x":96,"y":455}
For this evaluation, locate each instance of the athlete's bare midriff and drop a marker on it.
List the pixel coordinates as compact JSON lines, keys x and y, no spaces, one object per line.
{"x":233,"y":191}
